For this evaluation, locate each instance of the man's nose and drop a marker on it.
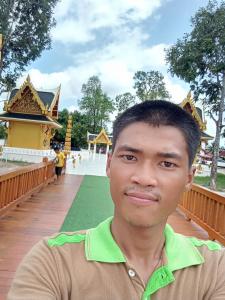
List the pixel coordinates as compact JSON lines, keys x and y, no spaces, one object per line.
{"x":145,"y":175}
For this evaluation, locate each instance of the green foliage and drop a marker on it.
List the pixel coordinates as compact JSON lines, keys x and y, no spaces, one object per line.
{"x":95,"y":104}
{"x":25,"y":25}
{"x":123,"y":101}
{"x":3,"y":133}
{"x":79,"y":128}
{"x":150,"y":86}
{"x":60,"y":134}
{"x":199,"y":59}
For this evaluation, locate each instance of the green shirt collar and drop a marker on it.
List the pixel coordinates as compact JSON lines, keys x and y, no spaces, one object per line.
{"x":101,"y":246}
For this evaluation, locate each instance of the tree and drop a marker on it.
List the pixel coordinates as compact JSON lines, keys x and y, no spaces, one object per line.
{"x":123,"y":101}
{"x":3,"y":133}
{"x":150,"y":86}
{"x":199,"y":59}
{"x":60,"y":134}
{"x":79,"y":128}
{"x":25,"y":26}
{"x":95,"y":104}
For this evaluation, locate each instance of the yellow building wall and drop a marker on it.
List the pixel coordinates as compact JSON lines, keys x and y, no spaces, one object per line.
{"x":45,"y":137}
{"x":24,"y":135}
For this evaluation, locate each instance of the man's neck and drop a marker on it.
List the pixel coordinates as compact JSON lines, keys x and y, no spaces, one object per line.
{"x":138,"y":242}
{"x":142,"y":247}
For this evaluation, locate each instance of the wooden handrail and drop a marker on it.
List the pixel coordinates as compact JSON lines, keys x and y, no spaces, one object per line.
{"x":207,"y":209}
{"x":18,"y":185}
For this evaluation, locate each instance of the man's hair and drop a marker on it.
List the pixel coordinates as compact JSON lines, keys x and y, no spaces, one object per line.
{"x":161,"y":113}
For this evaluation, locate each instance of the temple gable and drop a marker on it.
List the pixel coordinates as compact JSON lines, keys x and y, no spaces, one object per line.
{"x":26,"y":103}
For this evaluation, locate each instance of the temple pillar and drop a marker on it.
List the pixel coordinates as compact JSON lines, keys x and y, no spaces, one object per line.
{"x":107,"y":149}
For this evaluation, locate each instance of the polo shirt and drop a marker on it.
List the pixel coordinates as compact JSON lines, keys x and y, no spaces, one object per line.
{"x":60,"y":159}
{"x":91,"y":266}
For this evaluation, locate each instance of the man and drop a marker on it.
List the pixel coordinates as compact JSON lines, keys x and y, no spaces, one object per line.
{"x":59,"y":161}
{"x":133,"y":255}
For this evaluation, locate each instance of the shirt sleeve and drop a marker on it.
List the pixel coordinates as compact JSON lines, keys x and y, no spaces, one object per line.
{"x":37,"y":276}
{"x":219,"y":291}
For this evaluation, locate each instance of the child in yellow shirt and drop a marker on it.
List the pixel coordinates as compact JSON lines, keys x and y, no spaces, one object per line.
{"x":59,"y":162}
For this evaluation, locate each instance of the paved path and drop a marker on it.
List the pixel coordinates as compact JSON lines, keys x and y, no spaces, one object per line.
{"x":90,"y":164}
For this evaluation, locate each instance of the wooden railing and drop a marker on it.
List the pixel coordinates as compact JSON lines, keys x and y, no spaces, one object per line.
{"x":20,"y":184}
{"x":207,"y":209}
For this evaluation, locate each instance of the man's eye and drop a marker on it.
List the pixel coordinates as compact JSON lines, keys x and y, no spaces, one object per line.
{"x":168,"y":164}
{"x":129,"y":157}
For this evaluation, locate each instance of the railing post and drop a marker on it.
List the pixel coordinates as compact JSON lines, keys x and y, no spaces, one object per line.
{"x":45,"y":161}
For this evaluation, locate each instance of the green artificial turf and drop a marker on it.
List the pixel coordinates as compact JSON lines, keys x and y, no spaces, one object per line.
{"x":91,"y":205}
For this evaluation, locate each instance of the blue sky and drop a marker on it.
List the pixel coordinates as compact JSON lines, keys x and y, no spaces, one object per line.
{"x":112,"y":39}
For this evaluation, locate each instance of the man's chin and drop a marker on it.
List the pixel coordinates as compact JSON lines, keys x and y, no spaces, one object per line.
{"x":140,"y":223}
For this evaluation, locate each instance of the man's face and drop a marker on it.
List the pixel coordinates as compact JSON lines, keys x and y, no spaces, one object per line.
{"x":148,"y":173}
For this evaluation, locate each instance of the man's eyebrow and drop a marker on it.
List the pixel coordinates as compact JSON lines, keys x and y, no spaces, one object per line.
{"x":128,"y":148}
{"x":159,"y":154}
{"x":170,"y":155}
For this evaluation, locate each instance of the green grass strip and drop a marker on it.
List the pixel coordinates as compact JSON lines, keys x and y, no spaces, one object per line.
{"x":205,"y":181}
{"x":91,"y":205}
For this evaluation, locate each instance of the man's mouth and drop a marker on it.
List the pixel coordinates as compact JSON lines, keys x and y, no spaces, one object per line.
{"x":140,"y":198}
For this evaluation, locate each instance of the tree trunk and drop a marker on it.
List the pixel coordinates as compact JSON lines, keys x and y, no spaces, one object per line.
{"x":219,"y":126}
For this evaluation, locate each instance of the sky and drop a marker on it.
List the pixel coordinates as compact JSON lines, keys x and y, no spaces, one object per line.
{"x":111,"y":39}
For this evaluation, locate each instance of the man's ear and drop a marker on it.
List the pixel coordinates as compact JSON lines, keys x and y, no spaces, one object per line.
{"x":108,"y":163}
{"x":190,"y":178}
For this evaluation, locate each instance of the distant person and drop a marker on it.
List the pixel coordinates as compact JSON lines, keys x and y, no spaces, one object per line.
{"x":79,"y":157}
{"x":74,"y":161}
{"x":135,"y":254}
{"x":59,"y":161}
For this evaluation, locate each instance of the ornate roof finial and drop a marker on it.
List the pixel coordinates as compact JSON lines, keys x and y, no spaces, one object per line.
{"x":189,"y":95}
{"x":28,"y":78}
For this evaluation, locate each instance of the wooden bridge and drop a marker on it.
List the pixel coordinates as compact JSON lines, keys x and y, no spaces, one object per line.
{"x":32,"y":206}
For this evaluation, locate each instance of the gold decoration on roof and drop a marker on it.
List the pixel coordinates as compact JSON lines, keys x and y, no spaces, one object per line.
{"x":189,"y":101}
{"x":26,"y":105}
{"x":19,"y":95}
{"x":54,"y":103}
{"x":102,"y":138}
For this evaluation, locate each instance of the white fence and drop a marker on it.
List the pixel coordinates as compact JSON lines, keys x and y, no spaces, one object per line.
{"x":26,"y":155}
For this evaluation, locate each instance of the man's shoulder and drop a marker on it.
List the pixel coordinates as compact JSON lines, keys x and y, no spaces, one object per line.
{"x":64,"y":238}
{"x":208,"y":244}
{"x":183,"y":252}
{"x":211,"y":251}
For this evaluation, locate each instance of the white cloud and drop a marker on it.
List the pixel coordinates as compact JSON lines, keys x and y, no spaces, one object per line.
{"x":71,"y":31}
{"x":115,"y":64}
{"x":62,"y":8}
{"x":177,"y":91}
{"x":72,"y":108}
{"x":77,"y":21}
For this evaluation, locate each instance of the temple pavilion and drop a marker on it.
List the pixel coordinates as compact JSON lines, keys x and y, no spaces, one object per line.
{"x":189,"y":105}
{"x":31,"y":116}
{"x":100,"y":140}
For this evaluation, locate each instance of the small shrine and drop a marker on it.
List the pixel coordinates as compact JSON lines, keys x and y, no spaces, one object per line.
{"x":99,"y":139}
{"x":31,"y":116}
{"x":189,"y":105}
